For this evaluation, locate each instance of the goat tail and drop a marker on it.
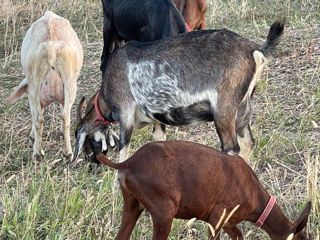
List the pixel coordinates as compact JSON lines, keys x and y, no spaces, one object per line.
{"x":52,"y":53}
{"x":48,"y":50}
{"x":273,"y":38}
{"x":103,"y":159}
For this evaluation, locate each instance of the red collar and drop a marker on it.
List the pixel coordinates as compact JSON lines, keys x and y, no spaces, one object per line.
{"x":100,"y":119}
{"x":266,"y":212}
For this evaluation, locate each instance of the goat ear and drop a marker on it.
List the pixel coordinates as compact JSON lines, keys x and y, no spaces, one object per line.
{"x":80,"y":139}
{"x":302,"y":220}
{"x":79,"y":110}
{"x":90,"y":104}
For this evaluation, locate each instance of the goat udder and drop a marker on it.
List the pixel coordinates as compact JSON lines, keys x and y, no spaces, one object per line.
{"x":51,"y":89}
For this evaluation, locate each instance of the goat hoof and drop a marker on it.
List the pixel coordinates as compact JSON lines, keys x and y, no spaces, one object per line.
{"x":68,"y":156}
{"x":38,"y":157}
{"x":31,"y":141}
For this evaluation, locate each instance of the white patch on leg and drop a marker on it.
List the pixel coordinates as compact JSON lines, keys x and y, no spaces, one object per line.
{"x":261,"y":62}
{"x":232,"y":153}
{"x":158,"y":134}
{"x":245,"y":148}
{"x":124,"y":153}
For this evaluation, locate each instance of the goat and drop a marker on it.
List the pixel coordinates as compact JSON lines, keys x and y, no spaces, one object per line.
{"x":142,"y":21}
{"x":193,"y":12}
{"x":178,"y":179}
{"x":198,"y":76}
{"x":51,"y":58}
{"x":100,"y":141}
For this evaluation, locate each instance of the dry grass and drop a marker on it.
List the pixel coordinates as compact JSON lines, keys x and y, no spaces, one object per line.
{"x":48,"y":200}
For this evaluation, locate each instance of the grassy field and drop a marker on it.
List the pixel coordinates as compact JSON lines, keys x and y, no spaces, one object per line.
{"x":48,"y":200}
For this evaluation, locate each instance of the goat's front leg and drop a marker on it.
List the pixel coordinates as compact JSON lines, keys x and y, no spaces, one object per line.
{"x":159,"y":132}
{"x":124,"y":143}
{"x":246,"y":142}
{"x":227,"y":133}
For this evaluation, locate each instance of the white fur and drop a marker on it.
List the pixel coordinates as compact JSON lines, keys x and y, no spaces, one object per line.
{"x":99,"y":136}
{"x":246,"y":146}
{"x":39,"y":55}
{"x":124,"y":152}
{"x":158,"y":134}
{"x":290,"y":237}
{"x":261,"y":62}
{"x":158,"y":92}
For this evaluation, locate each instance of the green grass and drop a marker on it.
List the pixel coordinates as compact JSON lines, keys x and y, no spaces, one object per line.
{"x":49,"y":200}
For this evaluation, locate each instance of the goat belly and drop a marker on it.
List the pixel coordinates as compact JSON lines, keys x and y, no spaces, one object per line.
{"x":186,"y":115}
{"x":51,"y":89}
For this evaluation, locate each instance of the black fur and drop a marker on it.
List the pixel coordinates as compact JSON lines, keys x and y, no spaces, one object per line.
{"x":143,"y":21}
{"x":273,"y":38}
{"x":186,"y":115}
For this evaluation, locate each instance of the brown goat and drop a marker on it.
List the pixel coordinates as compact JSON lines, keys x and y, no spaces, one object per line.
{"x":177,"y":179}
{"x":193,"y":12}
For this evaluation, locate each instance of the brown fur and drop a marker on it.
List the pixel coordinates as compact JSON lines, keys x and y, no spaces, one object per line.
{"x":193,"y":12}
{"x":177,"y":179}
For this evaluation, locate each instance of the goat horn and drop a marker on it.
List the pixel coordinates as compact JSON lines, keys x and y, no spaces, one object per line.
{"x":81,"y":137}
{"x":79,"y":110}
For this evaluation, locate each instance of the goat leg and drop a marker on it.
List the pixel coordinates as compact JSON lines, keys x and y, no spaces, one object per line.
{"x":159,"y":132}
{"x":130,"y":214}
{"x":246,"y":142}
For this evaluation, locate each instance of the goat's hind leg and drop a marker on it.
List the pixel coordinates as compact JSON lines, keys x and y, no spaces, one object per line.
{"x":70,"y":89}
{"x":36,"y":110}
{"x":68,"y":75}
{"x":130,"y":214}
{"x":162,"y":219}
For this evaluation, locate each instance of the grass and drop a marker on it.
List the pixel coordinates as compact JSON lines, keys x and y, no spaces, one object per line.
{"x":49,"y":200}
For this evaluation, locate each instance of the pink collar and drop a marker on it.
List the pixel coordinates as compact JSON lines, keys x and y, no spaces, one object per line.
{"x":266,"y":212}
{"x":100,"y":119}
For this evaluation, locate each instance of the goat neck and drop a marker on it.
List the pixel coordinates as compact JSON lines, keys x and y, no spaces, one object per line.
{"x":279,"y":227}
{"x":101,"y":118}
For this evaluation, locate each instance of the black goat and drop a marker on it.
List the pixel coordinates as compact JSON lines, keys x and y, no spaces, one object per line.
{"x":142,"y":21}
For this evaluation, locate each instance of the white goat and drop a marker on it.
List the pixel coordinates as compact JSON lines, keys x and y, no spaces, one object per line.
{"x":51,"y":58}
